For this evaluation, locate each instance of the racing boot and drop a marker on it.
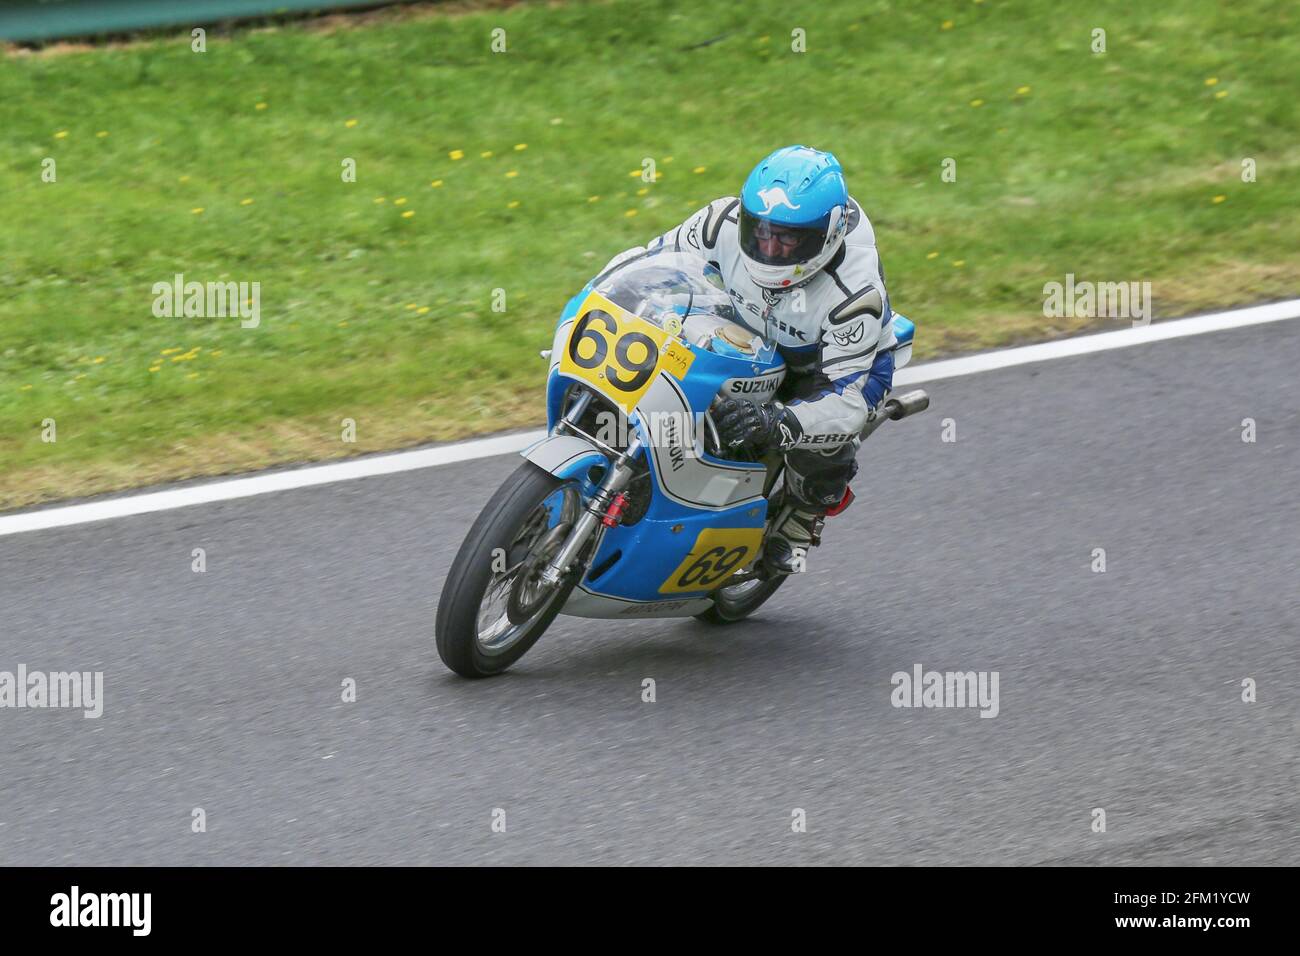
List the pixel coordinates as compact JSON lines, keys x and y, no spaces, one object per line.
{"x":816,"y":485}
{"x":798,"y":527}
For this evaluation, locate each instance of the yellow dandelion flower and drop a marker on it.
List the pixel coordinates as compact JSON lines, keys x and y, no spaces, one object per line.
{"x":24,"y":388}
{"x":408,"y":214}
{"x":513,"y":204}
{"x":1211,"y":80}
{"x":958,"y":263}
{"x":633,"y":173}
{"x":932,"y":255}
{"x":99,"y":360}
{"x":457,"y":154}
{"x":379,"y":199}
{"x":1218,"y":199}
{"x":350,"y":123}
{"x":154,"y":368}
{"x":512,"y":174}
{"x":946,"y":25}
{"x":436,"y":184}
{"x":642,"y":191}
{"x":170,"y":351}
{"x":246,"y":202}
{"x":421,"y":310}
{"x":412,"y":306}
{"x":486,"y":154}
{"x":520,"y":147}
{"x":593,"y":199}
{"x":1022,"y":90}
{"x":260,"y":106}
{"x":630,"y":213}
{"x":977,"y":103}
{"x":699,"y":169}
{"x":399,"y":201}
{"x":217,"y":354}
{"x":197,"y":210}
{"x":102,"y":133}
{"x":1221,"y":94}
{"x":61,"y":134}
{"x":192,"y":375}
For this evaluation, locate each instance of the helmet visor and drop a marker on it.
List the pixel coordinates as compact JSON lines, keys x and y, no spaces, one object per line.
{"x":775,"y":244}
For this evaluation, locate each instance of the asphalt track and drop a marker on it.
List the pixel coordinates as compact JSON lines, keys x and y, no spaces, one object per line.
{"x":1119,"y":690}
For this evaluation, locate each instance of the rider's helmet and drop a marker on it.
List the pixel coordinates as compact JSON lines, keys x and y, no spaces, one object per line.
{"x":793,"y":216}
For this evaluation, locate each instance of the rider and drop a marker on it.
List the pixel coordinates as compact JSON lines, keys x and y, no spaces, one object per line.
{"x":799,"y":259}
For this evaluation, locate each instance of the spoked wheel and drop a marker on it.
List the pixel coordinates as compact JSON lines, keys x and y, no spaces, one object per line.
{"x":494,"y":605}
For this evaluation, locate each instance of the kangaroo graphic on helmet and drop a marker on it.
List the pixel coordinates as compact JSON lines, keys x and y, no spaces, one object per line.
{"x":773,"y":197}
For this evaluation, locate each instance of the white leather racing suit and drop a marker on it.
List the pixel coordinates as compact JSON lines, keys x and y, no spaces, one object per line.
{"x":834,"y":332}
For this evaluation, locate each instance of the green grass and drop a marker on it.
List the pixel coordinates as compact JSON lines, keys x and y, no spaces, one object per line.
{"x":1103,"y":166}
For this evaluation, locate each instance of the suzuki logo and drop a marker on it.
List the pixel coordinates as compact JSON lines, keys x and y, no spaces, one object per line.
{"x":775,"y":197}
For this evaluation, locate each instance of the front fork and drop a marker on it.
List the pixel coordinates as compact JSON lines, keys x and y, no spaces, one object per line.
{"x":604,"y":506}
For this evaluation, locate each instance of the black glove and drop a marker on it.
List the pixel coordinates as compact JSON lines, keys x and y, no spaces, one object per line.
{"x":770,"y":425}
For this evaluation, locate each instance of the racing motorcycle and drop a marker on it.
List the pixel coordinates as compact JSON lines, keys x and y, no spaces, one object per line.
{"x":631,"y":507}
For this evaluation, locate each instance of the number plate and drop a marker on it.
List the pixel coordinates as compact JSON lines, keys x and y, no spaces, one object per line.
{"x":717,"y":554}
{"x":619,"y":354}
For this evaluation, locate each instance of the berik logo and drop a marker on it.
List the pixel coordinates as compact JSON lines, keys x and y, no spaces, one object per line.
{"x":103,"y":909}
{"x":849,"y":336}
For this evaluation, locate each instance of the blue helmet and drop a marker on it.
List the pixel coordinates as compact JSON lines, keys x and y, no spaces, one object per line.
{"x":793,"y":216}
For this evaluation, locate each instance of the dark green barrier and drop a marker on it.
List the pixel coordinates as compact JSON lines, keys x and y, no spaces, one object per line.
{"x":29,"y":20}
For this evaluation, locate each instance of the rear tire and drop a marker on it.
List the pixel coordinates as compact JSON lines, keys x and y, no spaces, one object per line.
{"x":499,"y":525}
{"x":728,"y":609}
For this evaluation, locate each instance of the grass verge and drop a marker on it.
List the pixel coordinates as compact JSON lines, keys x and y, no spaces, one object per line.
{"x":520,"y":171}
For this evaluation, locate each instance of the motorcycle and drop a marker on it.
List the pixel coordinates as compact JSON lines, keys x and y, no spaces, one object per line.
{"x":630,"y":508}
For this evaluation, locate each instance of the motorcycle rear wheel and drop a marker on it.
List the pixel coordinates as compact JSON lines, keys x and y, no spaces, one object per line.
{"x":736,"y":602}
{"x":488,"y":618}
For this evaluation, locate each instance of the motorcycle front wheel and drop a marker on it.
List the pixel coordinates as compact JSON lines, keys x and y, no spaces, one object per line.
{"x":494,"y":605}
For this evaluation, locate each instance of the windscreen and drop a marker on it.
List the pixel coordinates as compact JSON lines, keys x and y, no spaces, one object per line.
{"x":685,"y":296}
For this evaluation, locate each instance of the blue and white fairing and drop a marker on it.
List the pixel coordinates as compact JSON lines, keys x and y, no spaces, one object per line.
{"x":705,"y":517}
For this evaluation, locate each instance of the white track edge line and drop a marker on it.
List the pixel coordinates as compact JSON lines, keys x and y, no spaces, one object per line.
{"x":395,"y":462}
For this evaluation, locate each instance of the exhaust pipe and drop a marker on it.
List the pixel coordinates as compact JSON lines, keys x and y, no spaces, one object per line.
{"x":896,"y":408}
{"x":911,"y":403}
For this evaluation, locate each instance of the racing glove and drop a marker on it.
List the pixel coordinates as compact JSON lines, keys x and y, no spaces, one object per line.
{"x":770,"y":425}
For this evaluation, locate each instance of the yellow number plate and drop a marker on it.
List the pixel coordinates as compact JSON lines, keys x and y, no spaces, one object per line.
{"x":717,"y":554}
{"x":619,"y":354}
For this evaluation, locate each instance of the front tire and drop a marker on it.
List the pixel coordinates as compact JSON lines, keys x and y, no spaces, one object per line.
{"x":525,"y":520}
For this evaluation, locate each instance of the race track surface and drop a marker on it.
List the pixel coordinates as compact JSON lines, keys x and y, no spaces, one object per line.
{"x":1118,"y":690}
